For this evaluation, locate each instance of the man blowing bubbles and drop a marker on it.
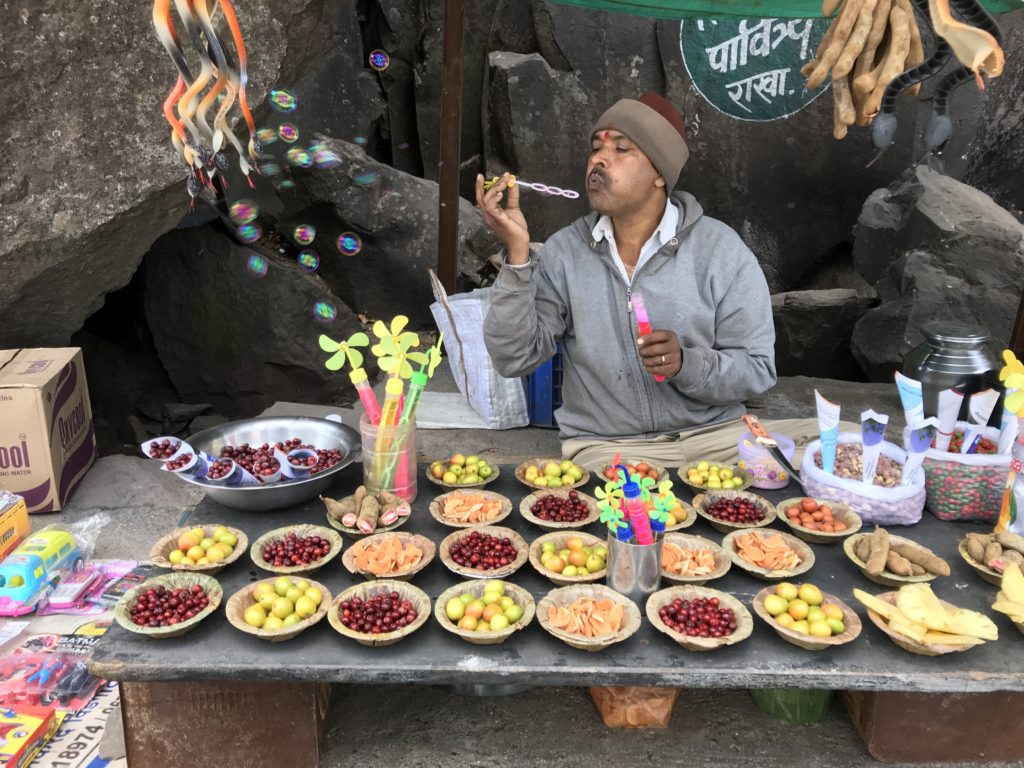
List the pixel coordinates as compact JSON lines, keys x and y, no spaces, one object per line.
{"x":708,"y":302}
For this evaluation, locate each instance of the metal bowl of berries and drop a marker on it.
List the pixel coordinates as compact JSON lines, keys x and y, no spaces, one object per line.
{"x":336,"y":446}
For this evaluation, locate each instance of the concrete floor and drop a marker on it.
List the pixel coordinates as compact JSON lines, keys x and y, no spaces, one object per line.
{"x":411,"y":726}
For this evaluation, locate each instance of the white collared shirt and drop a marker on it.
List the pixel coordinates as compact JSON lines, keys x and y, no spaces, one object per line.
{"x":666,"y":231}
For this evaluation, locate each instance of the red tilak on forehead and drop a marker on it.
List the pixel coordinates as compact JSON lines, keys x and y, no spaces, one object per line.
{"x":605,"y":136}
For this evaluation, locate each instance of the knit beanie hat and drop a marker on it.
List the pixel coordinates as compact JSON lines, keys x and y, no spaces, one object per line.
{"x":654,"y":125}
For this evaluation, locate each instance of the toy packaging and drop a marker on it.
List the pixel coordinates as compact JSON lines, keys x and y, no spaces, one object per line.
{"x":14,"y":524}
{"x":49,"y":670}
{"x":23,"y":732}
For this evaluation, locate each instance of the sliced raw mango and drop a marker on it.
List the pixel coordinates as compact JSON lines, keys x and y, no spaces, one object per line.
{"x":932,"y":637}
{"x":901,"y":626}
{"x":882,"y":608}
{"x":1011,"y":608}
{"x":1013,"y":583}
{"x":972,"y":624}
{"x":920,"y":605}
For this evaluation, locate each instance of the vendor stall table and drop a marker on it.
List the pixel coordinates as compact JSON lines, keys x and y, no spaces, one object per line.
{"x":217,"y":667}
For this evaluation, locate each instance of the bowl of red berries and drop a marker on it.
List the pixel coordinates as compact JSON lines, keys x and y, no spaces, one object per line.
{"x":484,"y":552}
{"x":169,"y":605}
{"x":729,"y":511}
{"x":559,"y":510}
{"x":379,"y":612}
{"x":699,"y":618}
{"x":296,"y":549}
{"x":272,"y":462}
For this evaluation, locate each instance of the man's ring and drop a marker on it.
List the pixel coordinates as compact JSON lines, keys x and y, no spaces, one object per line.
{"x":662,"y":359}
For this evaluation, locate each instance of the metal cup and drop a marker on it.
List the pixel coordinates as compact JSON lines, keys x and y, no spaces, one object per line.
{"x":634,"y":570}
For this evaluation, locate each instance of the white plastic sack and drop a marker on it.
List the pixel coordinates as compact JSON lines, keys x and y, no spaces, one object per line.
{"x":899,"y":505}
{"x":500,"y":402}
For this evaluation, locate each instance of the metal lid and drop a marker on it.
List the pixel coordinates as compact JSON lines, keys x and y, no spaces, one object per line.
{"x":953,"y":333}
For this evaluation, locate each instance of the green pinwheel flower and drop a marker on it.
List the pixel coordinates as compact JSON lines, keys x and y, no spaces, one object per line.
{"x":344,"y":349}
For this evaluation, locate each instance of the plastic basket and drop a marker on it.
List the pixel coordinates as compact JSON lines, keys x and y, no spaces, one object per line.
{"x":794,"y":705}
{"x":544,"y":391}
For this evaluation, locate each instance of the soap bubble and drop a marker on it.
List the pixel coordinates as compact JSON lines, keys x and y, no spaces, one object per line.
{"x":304,"y":234}
{"x":404,"y":145}
{"x":308,"y":261}
{"x":324,"y":157}
{"x":249,"y":233}
{"x":243,"y":212}
{"x":285,"y":184}
{"x":283,"y":101}
{"x":300,"y":157}
{"x":266,"y":135}
{"x":360,"y":140}
{"x":288,"y":132}
{"x":366,"y":179}
{"x":325,"y":312}
{"x":270,"y":168}
{"x":258,"y":265}
{"x":349,"y":243}
{"x":379,"y":60}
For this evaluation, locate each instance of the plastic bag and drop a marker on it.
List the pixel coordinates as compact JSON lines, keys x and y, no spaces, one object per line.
{"x":965,"y":486}
{"x":500,"y":402}
{"x":899,"y":505}
{"x":84,"y":532}
{"x":634,"y":706}
{"x":794,"y":705}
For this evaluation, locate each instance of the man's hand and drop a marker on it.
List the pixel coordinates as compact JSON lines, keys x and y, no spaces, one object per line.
{"x":661,"y":353}
{"x":507,"y":223}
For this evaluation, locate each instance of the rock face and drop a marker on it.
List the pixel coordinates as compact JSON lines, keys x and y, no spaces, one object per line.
{"x":951,"y":253}
{"x":231,"y":338}
{"x":395,"y":216}
{"x":813,"y":329}
{"x":91,"y":182}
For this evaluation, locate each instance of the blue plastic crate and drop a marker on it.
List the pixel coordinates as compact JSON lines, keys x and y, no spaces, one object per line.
{"x":544,"y":392}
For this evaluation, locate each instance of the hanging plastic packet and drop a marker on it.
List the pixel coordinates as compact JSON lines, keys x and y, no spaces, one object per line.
{"x":979,"y":410}
{"x":872,"y":433}
{"x":828,"y":426}
{"x":917,"y":444}
{"x":949,"y":409}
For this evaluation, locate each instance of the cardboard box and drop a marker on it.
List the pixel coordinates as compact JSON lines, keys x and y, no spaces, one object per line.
{"x":25,"y":730}
{"x":47,"y":442}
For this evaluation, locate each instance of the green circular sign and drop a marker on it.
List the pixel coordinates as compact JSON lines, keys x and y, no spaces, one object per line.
{"x":750,"y":68}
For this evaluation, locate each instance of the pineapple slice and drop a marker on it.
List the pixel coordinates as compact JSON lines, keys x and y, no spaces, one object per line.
{"x":882,"y":608}
{"x":903,"y":626}
{"x":973,"y":624}
{"x":921,"y":605}
{"x":1011,"y":608}
{"x":945,"y":638}
{"x":1013,"y":583}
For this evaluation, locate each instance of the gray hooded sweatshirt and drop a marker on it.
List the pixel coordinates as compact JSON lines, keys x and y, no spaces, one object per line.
{"x":704,"y":284}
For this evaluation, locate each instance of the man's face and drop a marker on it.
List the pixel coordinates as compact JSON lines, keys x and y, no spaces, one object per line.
{"x":620,"y":178}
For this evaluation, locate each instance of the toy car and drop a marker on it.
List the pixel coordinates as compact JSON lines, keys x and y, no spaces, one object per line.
{"x":33,"y":568}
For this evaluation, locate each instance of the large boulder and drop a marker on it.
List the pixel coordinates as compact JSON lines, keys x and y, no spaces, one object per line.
{"x":235,"y":339}
{"x":90,"y":179}
{"x":953,"y":254}
{"x":812,"y":332}
{"x":395,"y":216}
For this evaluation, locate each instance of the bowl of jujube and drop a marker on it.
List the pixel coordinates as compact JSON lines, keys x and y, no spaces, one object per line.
{"x":699,"y":618}
{"x":379,"y":612}
{"x":818,"y":520}
{"x":728,"y":511}
{"x":296,"y":549}
{"x":484,"y":552}
{"x":169,"y":605}
{"x":559,"y":509}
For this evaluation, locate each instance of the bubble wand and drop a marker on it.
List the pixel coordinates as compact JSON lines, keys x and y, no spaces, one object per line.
{"x":347,"y":350}
{"x":643,"y":322}
{"x":542,"y":188}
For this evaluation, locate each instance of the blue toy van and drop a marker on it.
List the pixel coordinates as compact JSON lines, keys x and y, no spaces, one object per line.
{"x":36,"y":565}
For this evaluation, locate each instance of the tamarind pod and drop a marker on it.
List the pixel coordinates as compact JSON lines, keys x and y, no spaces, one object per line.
{"x":862,"y":549}
{"x":844,"y":101}
{"x":993,"y":551}
{"x":856,"y":42}
{"x":896,"y":563}
{"x":976,"y":547}
{"x":931,"y":563}
{"x":839,"y":128}
{"x":844,"y":26}
{"x":1011,"y":541}
{"x":893,"y":64}
{"x":879,"y":24}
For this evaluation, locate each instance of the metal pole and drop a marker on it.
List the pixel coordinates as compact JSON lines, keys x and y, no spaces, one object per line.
{"x":1017,"y":336}
{"x":451,"y":135}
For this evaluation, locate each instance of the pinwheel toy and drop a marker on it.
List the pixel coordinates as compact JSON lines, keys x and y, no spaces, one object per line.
{"x":347,"y":350}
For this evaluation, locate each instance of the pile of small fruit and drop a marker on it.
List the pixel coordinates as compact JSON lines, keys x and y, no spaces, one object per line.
{"x":492,"y":612}
{"x":553,"y":474}
{"x":736,"y":510}
{"x":386,"y":612}
{"x":984,"y":445}
{"x":162,"y":607}
{"x":196,"y":548}
{"x":707,"y":475}
{"x":700,"y":617}
{"x":179,"y":462}
{"x":483,"y":551}
{"x":282,"y":603}
{"x":575,"y":559}
{"x":804,"y":610}
{"x":292,"y":550}
{"x":641,"y":468}
{"x":461,"y":470}
{"x":257,"y":460}
{"x":813,"y":516}
{"x":163,"y":449}
{"x":560,"y":509}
